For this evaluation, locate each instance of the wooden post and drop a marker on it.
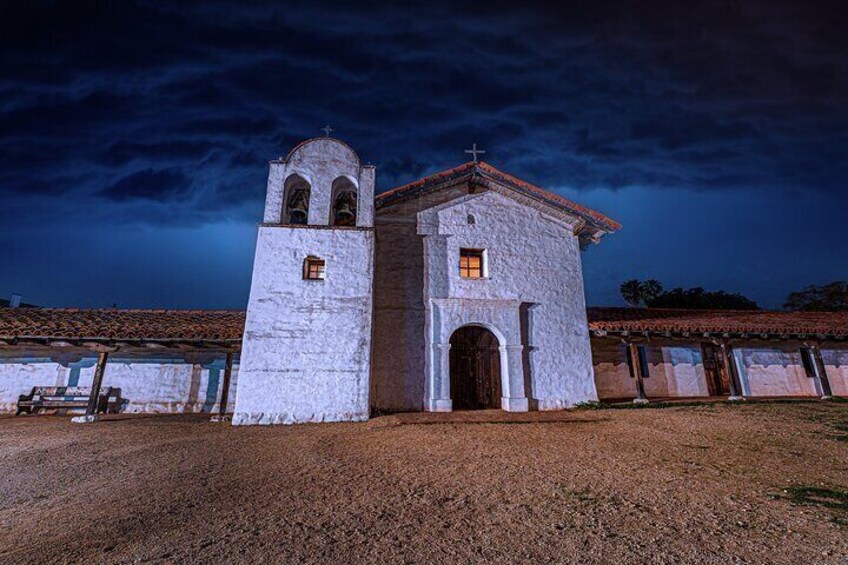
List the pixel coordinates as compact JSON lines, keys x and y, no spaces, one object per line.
{"x":94,"y":397}
{"x":821,"y":371}
{"x":636,"y":372}
{"x":729,"y":363}
{"x":225,"y":390}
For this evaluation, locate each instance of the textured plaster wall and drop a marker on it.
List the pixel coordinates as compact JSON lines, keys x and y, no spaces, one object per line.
{"x":152,"y":386}
{"x":397,"y":372}
{"x":306,"y":353}
{"x":776,"y":372}
{"x":673,"y":371}
{"x":306,"y":348}
{"x":836,"y":364}
{"x":320,"y":161}
{"x":678,"y":371}
{"x":533,"y":296}
{"x":534,"y":259}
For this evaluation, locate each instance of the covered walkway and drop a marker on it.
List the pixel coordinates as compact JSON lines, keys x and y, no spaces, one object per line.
{"x":161,"y":360}
{"x":675,"y":354}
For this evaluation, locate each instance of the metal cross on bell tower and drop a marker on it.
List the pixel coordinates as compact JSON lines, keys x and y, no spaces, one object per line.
{"x":474,"y":152}
{"x":327,"y":129}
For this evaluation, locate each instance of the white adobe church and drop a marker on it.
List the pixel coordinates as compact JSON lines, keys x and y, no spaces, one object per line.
{"x":461,"y":290}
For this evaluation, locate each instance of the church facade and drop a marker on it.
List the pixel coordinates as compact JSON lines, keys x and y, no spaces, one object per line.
{"x":461,"y":290}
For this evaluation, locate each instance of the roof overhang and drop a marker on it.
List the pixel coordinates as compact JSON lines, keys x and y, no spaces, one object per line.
{"x":590,"y":226}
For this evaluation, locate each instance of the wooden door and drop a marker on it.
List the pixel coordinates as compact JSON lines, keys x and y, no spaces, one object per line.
{"x":475,"y":369}
{"x":718,"y":381}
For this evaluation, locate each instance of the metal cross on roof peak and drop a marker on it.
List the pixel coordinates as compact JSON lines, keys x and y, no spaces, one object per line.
{"x":474,"y":152}
{"x":327,"y":129}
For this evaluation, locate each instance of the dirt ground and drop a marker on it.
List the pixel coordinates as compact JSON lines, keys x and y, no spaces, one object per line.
{"x":758,"y":483}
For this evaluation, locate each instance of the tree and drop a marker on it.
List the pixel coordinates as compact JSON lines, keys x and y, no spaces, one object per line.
{"x":699,"y":299}
{"x":639,"y":293}
{"x":650,"y":293}
{"x":831,"y":297}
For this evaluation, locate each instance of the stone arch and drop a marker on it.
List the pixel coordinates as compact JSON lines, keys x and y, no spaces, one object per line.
{"x":296,"y":196}
{"x":499,"y":316}
{"x":344,"y":202}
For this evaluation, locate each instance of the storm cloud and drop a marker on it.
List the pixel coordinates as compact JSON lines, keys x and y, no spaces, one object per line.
{"x":157,"y":114}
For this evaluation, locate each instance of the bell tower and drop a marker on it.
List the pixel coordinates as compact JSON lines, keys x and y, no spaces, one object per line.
{"x":306,"y":352}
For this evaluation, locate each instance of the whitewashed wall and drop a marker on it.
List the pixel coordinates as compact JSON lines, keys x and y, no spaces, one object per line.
{"x":534,"y":268}
{"x":673,"y":371}
{"x":679,"y":371}
{"x":775,"y":372}
{"x":152,"y":386}
{"x":306,"y":350}
{"x":306,"y":353}
{"x":836,"y":364}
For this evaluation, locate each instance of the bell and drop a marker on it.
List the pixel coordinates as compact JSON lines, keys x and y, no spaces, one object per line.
{"x":345,"y":212}
{"x":298,"y":207}
{"x":298,"y":217}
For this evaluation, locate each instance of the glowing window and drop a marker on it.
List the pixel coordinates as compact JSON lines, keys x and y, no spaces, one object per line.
{"x":313,"y":269}
{"x":472,"y":263}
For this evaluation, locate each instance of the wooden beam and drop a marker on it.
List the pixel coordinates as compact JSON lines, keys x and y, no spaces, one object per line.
{"x":729,"y":362}
{"x":636,"y":372}
{"x":225,"y":390}
{"x":94,"y":397}
{"x":821,"y":371}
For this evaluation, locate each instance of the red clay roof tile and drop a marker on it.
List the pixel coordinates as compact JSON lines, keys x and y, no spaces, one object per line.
{"x":228,"y":325}
{"x":718,"y":321}
{"x":467,"y":169}
{"x":114,"y":324}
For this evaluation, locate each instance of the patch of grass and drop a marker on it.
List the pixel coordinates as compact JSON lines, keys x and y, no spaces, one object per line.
{"x":590,"y":405}
{"x":841,"y":428}
{"x":595,"y":405}
{"x":832,"y":498}
{"x":583,"y":496}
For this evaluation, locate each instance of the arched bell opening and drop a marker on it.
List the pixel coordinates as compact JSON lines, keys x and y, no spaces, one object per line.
{"x":475,"y":369}
{"x":344,"y":201}
{"x":296,"y":201}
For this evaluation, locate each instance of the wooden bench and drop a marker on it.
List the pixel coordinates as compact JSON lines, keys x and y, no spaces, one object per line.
{"x":68,"y":397}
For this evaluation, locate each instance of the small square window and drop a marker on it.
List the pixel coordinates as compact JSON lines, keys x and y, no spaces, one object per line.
{"x":472,"y":264}
{"x":313,"y":269}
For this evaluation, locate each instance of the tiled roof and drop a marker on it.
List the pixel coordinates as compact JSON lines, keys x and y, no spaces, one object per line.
{"x":228,"y":325}
{"x":127,"y":325}
{"x":487,"y":171}
{"x":718,"y":321}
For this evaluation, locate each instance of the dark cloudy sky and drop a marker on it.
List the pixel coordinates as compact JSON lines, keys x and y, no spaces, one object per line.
{"x":134,"y":136}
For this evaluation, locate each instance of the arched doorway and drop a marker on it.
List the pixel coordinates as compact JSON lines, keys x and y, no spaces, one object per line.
{"x":475,"y":369}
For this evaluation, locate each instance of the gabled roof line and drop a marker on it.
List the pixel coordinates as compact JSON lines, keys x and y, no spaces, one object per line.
{"x":488,"y":171}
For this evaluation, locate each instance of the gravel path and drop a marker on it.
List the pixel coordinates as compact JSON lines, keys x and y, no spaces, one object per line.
{"x":708,"y":484}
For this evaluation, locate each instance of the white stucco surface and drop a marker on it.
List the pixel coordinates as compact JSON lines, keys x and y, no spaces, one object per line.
{"x":776,"y":372}
{"x":679,"y":372}
{"x":148,"y":386}
{"x":306,"y":349}
{"x":672,"y":372}
{"x":532,"y":299}
{"x":320,"y":161}
{"x":306,"y":352}
{"x":836,"y":365}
